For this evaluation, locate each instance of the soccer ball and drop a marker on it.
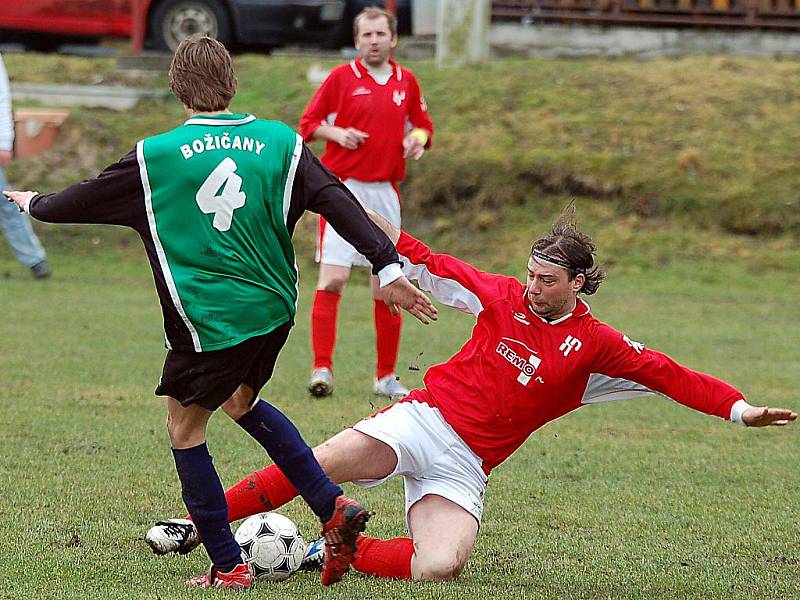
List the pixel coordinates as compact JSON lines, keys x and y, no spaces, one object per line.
{"x":272,"y":546}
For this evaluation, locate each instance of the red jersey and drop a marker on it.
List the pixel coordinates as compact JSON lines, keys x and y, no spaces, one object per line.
{"x":350,"y":97}
{"x":518,"y":371}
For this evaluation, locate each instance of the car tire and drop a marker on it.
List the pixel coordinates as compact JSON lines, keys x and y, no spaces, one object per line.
{"x":174,"y":20}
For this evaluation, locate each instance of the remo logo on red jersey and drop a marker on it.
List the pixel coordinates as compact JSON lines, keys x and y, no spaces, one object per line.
{"x":515,"y":354}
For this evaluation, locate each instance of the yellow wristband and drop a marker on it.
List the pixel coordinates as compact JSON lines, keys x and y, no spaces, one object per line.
{"x":420,"y":134}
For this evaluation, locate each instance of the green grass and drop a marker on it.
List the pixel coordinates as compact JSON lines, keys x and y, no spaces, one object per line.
{"x":637,"y":499}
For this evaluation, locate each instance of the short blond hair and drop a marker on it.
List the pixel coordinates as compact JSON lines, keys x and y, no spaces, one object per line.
{"x":374,"y":12}
{"x":201,"y":74}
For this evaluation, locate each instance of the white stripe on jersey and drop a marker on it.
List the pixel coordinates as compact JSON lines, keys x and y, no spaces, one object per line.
{"x":162,"y":257}
{"x":213,"y":121}
{"x":446,"y":291}
{"x":602,"y":388}
{"x":287,"y":190}
{"x":287,"y":202}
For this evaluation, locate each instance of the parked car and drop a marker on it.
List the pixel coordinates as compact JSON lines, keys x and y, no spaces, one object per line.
{"x":164,"y":23}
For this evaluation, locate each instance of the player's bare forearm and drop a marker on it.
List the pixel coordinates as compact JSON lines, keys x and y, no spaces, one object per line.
{"x":326,"y":133}
{"x":390,"y":230}
{"x":347,"y":137}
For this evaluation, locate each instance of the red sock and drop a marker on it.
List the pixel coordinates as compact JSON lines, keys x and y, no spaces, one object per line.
{"x":384,"y":558}
{"x":387,"y":338}
{"x":263,"y":490}
{"x":323,"y":327}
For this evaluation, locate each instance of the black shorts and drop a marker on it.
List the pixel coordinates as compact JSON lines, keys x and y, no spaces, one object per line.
{"x":210,"y":378}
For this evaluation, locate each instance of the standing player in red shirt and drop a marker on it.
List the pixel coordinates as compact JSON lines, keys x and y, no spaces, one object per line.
{"x":535,"y":354}
{"x":373,"y":117}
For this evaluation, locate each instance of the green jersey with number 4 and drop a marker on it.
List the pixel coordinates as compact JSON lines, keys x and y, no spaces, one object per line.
{"x":217,"y":193}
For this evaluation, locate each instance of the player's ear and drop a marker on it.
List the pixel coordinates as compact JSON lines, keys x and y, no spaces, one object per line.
{"x":578,"y":282}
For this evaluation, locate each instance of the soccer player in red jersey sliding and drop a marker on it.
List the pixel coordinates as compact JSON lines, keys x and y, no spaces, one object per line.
{"x":536,"y":353}
{"x":373,"y":117}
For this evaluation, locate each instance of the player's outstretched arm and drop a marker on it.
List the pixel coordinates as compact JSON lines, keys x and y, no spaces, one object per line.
{"x":764,"y":416}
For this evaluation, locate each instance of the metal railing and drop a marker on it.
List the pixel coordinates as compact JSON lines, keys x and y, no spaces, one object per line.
{"x":752,"y":14}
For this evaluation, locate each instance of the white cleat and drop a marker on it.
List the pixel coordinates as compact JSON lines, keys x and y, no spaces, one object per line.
{"x":315,"y":556}
{"x":173,"y":535}
{"x":321,"y":382}
{"x":390,"y":387}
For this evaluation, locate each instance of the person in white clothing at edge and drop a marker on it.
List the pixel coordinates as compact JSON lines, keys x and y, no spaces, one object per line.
{"x":16,"y":226}
{"x":535,"y":353}
{"x":373,"y":117}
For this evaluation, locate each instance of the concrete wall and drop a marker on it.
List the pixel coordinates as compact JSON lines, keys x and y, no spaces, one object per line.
{"x":424,"y":16}
{"x":462,"y":32}
{"x":551,"y":40}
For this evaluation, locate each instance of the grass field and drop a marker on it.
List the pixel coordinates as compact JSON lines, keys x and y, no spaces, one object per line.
{"x":640,"y":499}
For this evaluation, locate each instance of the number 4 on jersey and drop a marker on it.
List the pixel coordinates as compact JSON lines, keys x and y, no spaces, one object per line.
{"x":222,"y":202}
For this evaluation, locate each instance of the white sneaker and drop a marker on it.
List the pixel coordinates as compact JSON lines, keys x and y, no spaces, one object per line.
{"x":172,"y":535}
{"x":315,"y":556}
{"x":321,"y":382}
{"x":390,"y":387}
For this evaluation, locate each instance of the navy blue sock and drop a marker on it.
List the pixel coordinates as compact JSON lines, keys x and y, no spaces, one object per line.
{"x":280,"y":438}
{"x":205,"y":501}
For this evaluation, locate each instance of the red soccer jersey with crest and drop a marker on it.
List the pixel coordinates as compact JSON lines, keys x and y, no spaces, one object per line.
{"x":518,"y":371}
{"x":350,"y":97}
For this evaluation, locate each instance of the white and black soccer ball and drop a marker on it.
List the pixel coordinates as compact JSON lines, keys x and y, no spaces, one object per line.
{"x":272,"y":546}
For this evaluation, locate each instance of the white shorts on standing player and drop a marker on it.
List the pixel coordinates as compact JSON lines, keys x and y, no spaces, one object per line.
{"x":379,"y":196}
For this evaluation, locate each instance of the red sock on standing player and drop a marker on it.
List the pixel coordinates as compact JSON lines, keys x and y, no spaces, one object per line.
{"x":323,"y":327}
{"x":387,"y":338}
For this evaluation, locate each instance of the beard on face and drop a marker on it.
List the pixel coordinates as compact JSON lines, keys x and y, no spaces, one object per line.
{"x":550,"y":309}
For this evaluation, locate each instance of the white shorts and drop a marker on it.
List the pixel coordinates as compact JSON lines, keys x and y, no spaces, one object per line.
{"x":431,"y":457}
{"x":379,"y":196}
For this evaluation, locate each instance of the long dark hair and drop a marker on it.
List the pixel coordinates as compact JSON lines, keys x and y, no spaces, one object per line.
{"x":567,"y":243}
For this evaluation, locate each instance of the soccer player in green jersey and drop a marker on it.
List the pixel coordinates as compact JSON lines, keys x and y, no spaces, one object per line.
{"x":215,"y":202}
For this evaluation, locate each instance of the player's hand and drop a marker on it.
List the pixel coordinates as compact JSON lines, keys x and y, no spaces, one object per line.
{"x":402,"y":294}
{"x":19,"y":198}
{"x":763,"y":416}
{"x":351,"y":138}
{"x":413,"y":147}
{"x":5,"y":157}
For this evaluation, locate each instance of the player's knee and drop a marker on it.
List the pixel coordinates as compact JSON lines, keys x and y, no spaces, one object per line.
{"x":182,"y":434}
{"x":235,"y":411}
{"x":335,"y":285}
{"x":240,"y":403}
{"x":439,"y":567}
{"x":174,"y":430}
